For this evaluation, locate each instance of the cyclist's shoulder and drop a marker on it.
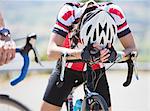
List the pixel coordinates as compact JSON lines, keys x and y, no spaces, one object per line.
{"x":70,"y":11}
{"x":112,"y":7}
{"x":115,"y":10}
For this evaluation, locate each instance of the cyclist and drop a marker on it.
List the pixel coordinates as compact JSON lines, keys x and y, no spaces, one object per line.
{"x":7,"y":45}
{"x":82,"y":19}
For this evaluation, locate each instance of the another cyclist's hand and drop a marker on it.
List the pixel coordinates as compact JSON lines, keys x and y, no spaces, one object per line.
{"x":7,"y":49}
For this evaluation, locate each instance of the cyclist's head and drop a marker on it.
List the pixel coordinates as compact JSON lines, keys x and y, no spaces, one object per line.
{"x":98,"y":26}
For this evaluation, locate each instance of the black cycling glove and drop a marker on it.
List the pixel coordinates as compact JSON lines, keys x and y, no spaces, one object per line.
{"x":90,"y":53}
{"x":113,"y":54}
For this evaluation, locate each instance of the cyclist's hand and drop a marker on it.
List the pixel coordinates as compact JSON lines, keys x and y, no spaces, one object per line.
{"x":7,"y":49}
{"x":95,"y":53}
{"x":104,"y":52}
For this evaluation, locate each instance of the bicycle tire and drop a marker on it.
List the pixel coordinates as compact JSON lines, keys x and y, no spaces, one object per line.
{"x":6,"y":101}
{"x":97,"y":99}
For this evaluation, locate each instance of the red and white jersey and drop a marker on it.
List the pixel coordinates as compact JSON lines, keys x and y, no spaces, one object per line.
{"x":71,"y":12}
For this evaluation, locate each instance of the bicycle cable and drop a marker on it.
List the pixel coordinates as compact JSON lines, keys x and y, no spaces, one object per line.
{"x":103,"y":72}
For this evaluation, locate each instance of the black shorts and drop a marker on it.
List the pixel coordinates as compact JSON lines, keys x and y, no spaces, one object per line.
{"x":57,"y":95}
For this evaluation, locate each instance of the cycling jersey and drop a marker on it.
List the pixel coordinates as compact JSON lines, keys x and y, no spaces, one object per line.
{"x":71,"y":12}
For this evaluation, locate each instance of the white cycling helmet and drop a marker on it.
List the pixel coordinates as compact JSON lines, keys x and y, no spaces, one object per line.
{"x":98,"y":26}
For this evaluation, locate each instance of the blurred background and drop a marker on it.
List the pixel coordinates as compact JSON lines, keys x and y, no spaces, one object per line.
{"x":26,"y":16}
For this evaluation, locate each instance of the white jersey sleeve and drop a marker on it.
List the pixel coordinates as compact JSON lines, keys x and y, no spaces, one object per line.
{"x":120,"y":19}
{"x":65,"y":18}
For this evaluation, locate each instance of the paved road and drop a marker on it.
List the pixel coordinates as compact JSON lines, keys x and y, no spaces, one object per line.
{"x":136,"y":97}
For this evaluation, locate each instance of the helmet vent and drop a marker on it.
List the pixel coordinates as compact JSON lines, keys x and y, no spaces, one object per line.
{"x":88,"y":30}
{"x":87,"y":18}
{"x":94,"y":38}
{"x":114,"y":29}
{"x":102,"y":40}
{"x":105,"y":28}
{"x":100,"y":29}
{"x":109,"y":35}
{"x":112,"y":40}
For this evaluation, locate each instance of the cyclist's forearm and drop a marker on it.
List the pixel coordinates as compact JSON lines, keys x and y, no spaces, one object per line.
{"x":55,"y":52}
{"x":128,"y":44}
{"x":75,"y":55}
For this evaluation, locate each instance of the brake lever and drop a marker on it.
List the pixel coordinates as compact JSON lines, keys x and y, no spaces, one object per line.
{"x":134,"y":58}
{"x":36,"y":56}
{"x":31,"y":40}
{"x":131,"y":66}
{"x":130,"y":73}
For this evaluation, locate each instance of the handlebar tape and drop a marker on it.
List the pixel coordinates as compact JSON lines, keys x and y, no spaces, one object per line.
{"x":24,"y":69}
{"x":130,"y":73}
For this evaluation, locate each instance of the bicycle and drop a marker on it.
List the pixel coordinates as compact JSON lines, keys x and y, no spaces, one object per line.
{"x":6,"y":102}
{"x":92,"y":100}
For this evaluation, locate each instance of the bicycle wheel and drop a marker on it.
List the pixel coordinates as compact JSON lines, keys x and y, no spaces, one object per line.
{"x":9,"y":104}
{"x":94,"y":103}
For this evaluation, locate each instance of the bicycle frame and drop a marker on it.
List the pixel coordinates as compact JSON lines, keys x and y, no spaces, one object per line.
{"x":89,"y":95}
